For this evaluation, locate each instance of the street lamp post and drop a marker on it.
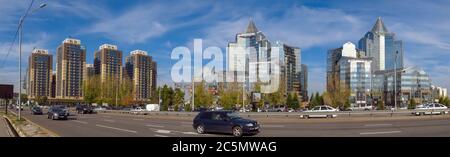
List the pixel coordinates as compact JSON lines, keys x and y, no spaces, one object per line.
{"x":395,"y":80}
{"x":20,"y":51}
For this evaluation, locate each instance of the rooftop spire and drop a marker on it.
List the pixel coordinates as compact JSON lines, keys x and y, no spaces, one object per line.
{"x":379,"y":27}
{"x":251,"y":28}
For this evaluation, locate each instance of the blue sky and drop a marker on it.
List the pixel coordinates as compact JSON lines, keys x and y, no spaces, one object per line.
{"x":159,"y":26}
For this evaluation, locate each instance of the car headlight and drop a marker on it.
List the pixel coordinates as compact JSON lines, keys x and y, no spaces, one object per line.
{"x":55,"y":114}
{"x":249,"y":124}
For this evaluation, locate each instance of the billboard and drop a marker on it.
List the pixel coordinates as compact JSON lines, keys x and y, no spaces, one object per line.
{"x":256,"y":97}
{"x":6,"y":91}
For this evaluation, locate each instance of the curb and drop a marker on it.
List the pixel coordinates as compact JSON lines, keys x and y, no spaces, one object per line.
{"x":11,"y":130}
{"x":51,"y":133}
{"x":14,"y":129}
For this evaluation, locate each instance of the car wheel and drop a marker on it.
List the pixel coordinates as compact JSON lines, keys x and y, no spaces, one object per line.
{"x":306,"y":116}
{"x":200,"y":129}
{"x":237,"y":131}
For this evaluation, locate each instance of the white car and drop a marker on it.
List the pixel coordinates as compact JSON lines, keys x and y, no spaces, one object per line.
{"x":320,"y":112}
{"x":429,"y":109}
{"x":137,"y":110}
{"x":100,"y":109}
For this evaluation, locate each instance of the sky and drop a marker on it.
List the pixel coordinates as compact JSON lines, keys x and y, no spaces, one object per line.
{"x":157,"y":27}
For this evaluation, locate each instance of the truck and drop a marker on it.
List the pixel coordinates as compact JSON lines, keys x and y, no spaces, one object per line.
{"x":152,"y":107}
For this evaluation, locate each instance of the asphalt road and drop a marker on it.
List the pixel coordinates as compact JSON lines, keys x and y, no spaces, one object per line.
{"x":4,"y":128}
{"x":115,"y":125}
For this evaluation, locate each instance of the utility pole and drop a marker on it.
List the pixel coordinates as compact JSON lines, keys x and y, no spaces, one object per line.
{"x":19,"y":102}
{"x":395,"y":81}
{"x":193,"y":94}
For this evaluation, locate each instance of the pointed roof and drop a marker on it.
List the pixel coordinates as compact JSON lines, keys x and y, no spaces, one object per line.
{"x":251,"y":28}
{"x":379,"y":27}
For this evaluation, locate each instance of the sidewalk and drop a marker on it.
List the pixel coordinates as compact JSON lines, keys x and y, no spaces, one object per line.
{"x":4,"y":128}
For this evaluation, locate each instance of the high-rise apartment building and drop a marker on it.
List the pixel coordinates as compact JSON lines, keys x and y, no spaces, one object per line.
{"x":70,"y":69}
{"x":141,"y":69}
{"x":108,"y":63}
{"x":39,"y":74}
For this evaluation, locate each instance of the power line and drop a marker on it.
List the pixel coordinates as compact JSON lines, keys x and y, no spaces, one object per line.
{"x":10,"y":48}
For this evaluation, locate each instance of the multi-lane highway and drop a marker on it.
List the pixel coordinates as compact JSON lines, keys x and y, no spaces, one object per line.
{"x":117,"y":125}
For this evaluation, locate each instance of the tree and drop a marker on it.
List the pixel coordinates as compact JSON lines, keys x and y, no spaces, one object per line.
{"x":230,"y":96}
{"x":446,"y":101}
{"x":91,"y":89}
{"x":166,"y":96}
{"x":23,"y":98}
{"x":126,"y":92}
{"x":289,"y":101}
{"x":381,"y":105}
{"x":41,"y":100}
{"x":412,"y":104}
{"x":202,"y":97}
{"x":295,"y":102}
{"x":178,"y":98}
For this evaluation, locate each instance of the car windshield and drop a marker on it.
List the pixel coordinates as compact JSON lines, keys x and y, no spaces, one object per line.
{"x":233,"y":115}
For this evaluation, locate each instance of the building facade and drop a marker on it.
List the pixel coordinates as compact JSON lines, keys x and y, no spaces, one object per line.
{"x":90,"y":71}
{"x":141,"y":69}
{"x":108,"y":63}
{"x":412,"y":83}
{"x":252,"y":54}
{"x":382,"y":46}
{"x":439,"y":92}
{"x":348,"y":70}
{"x":39,"y":74}
{"x":304,"y":83}
{"x":70,"y":69}
{"x":249,"y":48}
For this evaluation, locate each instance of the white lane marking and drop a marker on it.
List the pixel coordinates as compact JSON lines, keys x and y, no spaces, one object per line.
{"x":109,"y":120}
{"x":161,"y":135}
{"x":382,"y":132}
{"x":368,"y":125}
{"x":82,"y":122}
{"x":272,"y":126}
{"x":190,"y":133}
{"x":114,"y":128}
{"x":156,"y":126}
{"x":163,"y":131}
{"x":138,"y":119}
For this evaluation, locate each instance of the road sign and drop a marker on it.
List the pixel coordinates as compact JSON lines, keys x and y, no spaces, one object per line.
{"x":6,"y":91}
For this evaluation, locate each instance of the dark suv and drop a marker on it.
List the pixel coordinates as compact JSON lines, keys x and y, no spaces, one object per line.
{"x":36,"y":111}
{"x":57,"y":112}
{"x":224,"y":122}
{"x":84,"y":109}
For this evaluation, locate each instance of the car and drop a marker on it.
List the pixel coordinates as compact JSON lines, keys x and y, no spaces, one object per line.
{"x":200,"y":109}
{"x":17,"y":108}
{"x":36,"y":111}
{"x":57,"y":112}
{"x":100,"y":109}
{"x":228,"y":122}
{"x":290,"y":110}
{"x":322,"y":111}
{"x":138,"y":110}
{"x":430,"y":109}
{"x":84,"y":109}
